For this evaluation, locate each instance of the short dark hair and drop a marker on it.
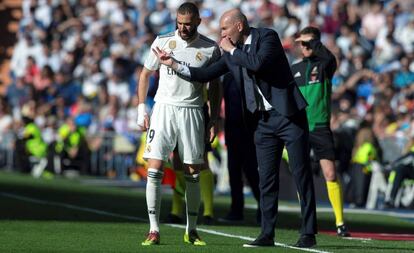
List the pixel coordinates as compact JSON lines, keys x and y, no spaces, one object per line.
{"x":312,"y":30}
{"x":188,"y":8}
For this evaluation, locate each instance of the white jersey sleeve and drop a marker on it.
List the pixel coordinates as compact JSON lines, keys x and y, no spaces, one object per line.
{"x":152,"y":62}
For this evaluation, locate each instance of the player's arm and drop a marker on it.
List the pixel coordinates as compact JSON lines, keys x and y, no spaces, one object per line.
{"x":151,"y":64}
{"x":143,"y":120}
{"x":215,"y":94}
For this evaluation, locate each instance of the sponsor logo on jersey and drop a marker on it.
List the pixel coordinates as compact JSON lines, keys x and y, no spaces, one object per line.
{"x":297,"y":74}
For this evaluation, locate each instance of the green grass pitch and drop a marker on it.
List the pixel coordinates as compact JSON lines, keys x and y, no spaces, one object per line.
{"x":64,"y":215}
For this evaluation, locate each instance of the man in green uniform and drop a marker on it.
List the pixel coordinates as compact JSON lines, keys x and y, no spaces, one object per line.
{"x":313,"y":75}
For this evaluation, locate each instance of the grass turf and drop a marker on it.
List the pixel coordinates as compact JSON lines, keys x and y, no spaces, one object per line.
{"x":50,"y":216}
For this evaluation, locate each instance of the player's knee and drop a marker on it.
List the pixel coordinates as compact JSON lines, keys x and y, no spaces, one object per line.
{"x":328,"y":168}
{"x":330,"y":175}
{"x":155,"y":164}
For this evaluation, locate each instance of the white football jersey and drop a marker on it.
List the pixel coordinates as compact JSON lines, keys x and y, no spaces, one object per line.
{"x":172,"y":89}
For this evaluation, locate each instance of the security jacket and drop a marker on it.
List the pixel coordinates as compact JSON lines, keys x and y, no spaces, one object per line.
{"x":313,"y":75}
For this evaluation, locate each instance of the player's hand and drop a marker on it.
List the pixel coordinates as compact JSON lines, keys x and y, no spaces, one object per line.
{"x":164,"y":57}
{"x":142,"y":119}
{"x":226,"y":44}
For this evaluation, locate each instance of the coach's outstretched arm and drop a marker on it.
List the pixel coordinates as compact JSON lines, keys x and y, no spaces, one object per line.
{"x":203,"y":75}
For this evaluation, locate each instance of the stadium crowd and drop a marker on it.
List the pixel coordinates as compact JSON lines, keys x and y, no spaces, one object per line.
{"x":76,"y":64}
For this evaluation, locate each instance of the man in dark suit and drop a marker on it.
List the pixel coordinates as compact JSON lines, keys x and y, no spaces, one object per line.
{"x":263,"y":73}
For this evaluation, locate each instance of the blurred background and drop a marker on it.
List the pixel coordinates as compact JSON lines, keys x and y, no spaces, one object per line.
{"x":69,"y":71}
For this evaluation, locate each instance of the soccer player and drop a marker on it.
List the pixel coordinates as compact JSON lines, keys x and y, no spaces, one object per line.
{"x":177,"y":118}
{"x":314,"y":77}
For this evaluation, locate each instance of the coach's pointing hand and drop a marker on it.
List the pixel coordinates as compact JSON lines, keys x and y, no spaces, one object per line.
{"x":164,"y":57}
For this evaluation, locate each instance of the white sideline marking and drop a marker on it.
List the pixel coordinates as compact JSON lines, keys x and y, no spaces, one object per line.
{"x":128,"y":217}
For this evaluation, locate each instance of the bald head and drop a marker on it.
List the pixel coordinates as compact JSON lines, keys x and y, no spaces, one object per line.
{"x":234,"y":25}
{"x":234,"y":16}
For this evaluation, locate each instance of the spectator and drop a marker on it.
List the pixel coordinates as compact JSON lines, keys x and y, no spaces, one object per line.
{"x":401,"y":169}
{"x":365,"y":151}
{"x":42,"y":82}
{"x":31,"y":150}
{"x":404,"y":77}
{"x":373,"y":21}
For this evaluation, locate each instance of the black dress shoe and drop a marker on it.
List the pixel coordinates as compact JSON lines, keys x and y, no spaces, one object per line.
{"x":306,"y":241}
{"x":260,"y":242}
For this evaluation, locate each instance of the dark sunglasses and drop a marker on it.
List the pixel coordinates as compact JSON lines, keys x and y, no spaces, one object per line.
{"x":305,"y":44}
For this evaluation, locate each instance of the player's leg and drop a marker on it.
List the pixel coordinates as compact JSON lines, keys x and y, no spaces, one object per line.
{"x":191,"y":150}
{"x":335,"y":195}
{"x":159,"y":144}
{"x":321,"y":140}
{"x":153,"y":197}
{"x":178,"y":193}
{"x":192,"y":198}
{"x":206,"y":191}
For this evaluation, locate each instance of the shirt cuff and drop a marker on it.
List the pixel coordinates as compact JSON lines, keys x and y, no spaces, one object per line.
{"x":232,"y":51}
{"x":183,"y":70}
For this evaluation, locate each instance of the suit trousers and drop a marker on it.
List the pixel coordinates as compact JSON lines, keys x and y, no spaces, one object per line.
{"x":272,"y":133}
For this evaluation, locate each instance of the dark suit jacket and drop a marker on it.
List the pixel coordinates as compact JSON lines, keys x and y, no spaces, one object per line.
{"x":266,"y":64}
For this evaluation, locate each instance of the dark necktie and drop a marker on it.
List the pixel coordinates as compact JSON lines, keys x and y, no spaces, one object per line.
{"x":248,"y":84}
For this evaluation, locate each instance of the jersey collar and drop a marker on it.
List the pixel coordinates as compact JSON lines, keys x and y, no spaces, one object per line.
{"x":186,"y":43}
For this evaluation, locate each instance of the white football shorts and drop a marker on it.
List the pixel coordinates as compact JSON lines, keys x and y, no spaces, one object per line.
{"x":173,"y":126}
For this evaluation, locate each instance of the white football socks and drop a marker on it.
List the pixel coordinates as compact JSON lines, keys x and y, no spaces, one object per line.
{"x":153,"y":196}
